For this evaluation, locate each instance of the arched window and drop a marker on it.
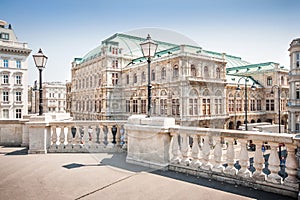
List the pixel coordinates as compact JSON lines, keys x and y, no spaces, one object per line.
{"x":175,"y":71}
{"x":269,"y":80}
{"x":193,"y":70}
{"x":218,"y":102}
{"x":143,"y":77}
{"x":218,"y":73}
{"x":193,"y":102}
{"x":206,"y":102}
{"x":153,"y":75}
{"x":163,"y":103}
{"x":206,"y":73}
{"x":163,"y":73}
{"x":135,"y":78}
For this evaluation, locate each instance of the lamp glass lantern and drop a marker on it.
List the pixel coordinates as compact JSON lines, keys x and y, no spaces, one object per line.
{"x":40,"y":59}
{"x":149,"y":47}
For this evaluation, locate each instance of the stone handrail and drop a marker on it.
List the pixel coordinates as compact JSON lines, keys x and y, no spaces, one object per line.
{"x":87,"y":136}
{"x":246,"y":158}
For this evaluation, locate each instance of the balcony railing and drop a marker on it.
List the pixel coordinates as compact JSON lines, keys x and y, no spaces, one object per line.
{"x":88,"y":136}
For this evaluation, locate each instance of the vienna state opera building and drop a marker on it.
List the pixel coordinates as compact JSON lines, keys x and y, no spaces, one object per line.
{"x":195,"y":86}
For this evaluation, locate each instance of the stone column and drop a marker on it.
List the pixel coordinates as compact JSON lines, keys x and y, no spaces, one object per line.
{"x":175,"y":149}
{"x":217,"y":166}
{"x":39,"y":137}
{"x":291,"y":166}
{"x":196,"y":153}
{"x":185,"y":150}
{"x":206,"y":165}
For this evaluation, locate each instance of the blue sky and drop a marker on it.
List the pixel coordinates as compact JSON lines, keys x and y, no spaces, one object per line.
{"x":256,"y":30}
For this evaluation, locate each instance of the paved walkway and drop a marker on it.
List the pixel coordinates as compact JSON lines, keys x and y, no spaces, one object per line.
{"x":104,"y":176}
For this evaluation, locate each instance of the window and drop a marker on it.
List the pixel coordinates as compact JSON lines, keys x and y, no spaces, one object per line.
{"x":135,"y":78}
{"x":143,"y":106}
{"x":135,"y":106}
{"x":193,"y":106}
{"x":153,"y":75}
{"x":18,"y":80}
{"x":143,"y":77}
{"x":230,"y":105}
{"x":193,"y":70}
{"x":206,"y":73}
{"x":218,"y":106}
{"x":18,"y":96}
{"x":206,"y":106}
{"x":239,"y":105}
{"x":175,"y":71}
{"x":127,"y":79}
{"x":5,"y":63}
{"x":18,"y":113}
{"x":270,"y":105}
{"x":5,"y":113}
{"x":154,"y":106}
{"x":252,"y":105}
{"x":163,"y":73}
{"x":91,"y":81}
{"x":5,"y":96}
{"x":269,"y":80}
{"x":297,"y":58}
{"x":18,"y":64}
{"x":127,"y":106}
{"x":115,"y":64}
{"x":258,"y":104}
{"x":114,"y":78}
{"x":4,"y":36}
{"x":175,"y":107}
{"x":218,"y":73}
{"x":5,"y":79}
{"x":163,"y":107}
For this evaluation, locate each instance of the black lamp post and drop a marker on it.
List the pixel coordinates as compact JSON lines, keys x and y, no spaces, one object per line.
{"x":246,"y":98}
{"x":272,"y":92}
{"x":40,"y":61}
{"x":149,"y":48}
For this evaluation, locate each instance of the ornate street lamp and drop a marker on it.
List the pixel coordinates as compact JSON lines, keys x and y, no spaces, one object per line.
{"x":246,"y":98}
{"x":272,"y":92}
{"x":40,"y":61}
{"x":149,"y":48}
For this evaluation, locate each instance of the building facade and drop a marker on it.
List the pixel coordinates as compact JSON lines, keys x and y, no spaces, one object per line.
{"x":54,"y":98}
{"x":294,"y":82}
{"x":13,"y":74}
{"x":195,"y":86}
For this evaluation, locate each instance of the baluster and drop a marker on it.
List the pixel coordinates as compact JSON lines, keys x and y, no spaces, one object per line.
{"x":118,"y":136}
{"x":185,"y":150}
{"x":69,"y":136}
{"x":122,"y":136}
{"x":206,"y":165}
{"x":230,"y":154}
{"x":175,"y":149}
{"x":217,"y":166}
{"x":274,"y":167}
{"x":62,"y":136}
{"x":291,"y":166}
{"x":258,"y":162}
{"x":86,"y":136}
{"x":54,"y":136}
{"x":196,"y":153}
{"x":102,"y":137}
{"x":244,"y":160}
{"x":110,"y":137}
{"x":95,"y":138}
{"x":77,"y":136}
{"x":125,"y":139}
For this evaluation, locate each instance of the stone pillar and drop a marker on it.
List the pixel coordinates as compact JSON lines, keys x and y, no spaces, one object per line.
{"x":196,"y":153}
{"x":175,"y":149}
{"x":258,"y":162}
{"x":230,"y":169}
{"x":291,"y":166}
{"x":244,"y":160}
{"x":149,"y":140}
{"x":217,"y":166}
{"x":274,"y":167}
{"x":206,"y":165}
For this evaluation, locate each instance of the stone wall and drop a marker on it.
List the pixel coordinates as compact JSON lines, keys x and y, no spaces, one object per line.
{"x":11,"y":132}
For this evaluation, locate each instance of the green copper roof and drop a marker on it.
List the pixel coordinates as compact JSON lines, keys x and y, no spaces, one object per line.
{"x":252,"y":68}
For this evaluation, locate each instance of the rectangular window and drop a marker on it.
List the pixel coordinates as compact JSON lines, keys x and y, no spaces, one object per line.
{"x":267,"y":105}
{"x":231,"y":105}
{"x":5,"y":79}
{"x":18,"y":64}
{"x":163,"y":106}
{"x":5,"y":113}
{"x":218,"y":106}
{"x":143,"y":106}
{"x":18,"y":96}
{"x":206,"y":106}
{"x":258,"y":104}
{"x":5,"y":63}
{"x":252,"y":105}
{"x":153,"y":106}
{"x":128,"y":106}
{"x":4,"y":36}
{"x":18,"y":113}
{"x":5,"y":96}
{"x":175,"y":107}
{"x":135,"y":106}
{"x":18,"y":80}
{"x":114,"y":78}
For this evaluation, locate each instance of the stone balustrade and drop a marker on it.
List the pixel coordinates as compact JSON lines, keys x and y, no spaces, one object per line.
{"x":87,"y":136}
{"x":264,"y":161}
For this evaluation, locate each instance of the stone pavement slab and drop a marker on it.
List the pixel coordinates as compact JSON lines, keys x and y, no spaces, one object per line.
{"x":99,"y":176}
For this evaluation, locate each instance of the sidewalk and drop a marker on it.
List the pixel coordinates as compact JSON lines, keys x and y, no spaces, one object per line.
{"x":104,"y":176}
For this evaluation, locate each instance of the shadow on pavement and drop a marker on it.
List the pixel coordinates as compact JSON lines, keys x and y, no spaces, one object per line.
{"x":118,"y":160}
{"x":23,"y":151}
